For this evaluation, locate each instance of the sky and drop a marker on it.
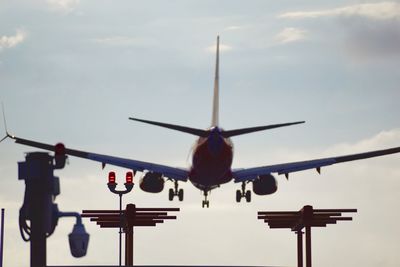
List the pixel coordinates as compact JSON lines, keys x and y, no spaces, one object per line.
{"x":75,"y":70}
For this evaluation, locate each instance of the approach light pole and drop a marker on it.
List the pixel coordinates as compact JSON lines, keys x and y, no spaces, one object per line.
{"x":306,"y":218}
{"x":128,"y":188}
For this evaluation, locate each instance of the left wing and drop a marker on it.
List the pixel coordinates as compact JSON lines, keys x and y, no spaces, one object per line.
{"x":178,"y":174}
{"x":241,"y":175}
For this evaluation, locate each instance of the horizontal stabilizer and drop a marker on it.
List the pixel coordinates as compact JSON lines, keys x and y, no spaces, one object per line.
{"x":198,"y":132}
{"x":236,"y":132}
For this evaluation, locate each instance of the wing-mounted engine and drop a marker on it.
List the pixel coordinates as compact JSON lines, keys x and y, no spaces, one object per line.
{"x":265,"y":185}
{"x":152,"y":182}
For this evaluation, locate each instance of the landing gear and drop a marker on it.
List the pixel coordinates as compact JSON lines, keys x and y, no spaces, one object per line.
{"x":171,"y":194}
{"x":243,"y":193}
{"x":175,"y":192}
{"x":248,"y":196}
{"x":238,"y":196}
{"x":180,"y":194}
{"x":205,"y":202}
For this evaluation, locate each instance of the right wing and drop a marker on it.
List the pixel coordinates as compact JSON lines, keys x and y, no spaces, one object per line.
{"x":174,"y":173}
{"x":249,"y":174}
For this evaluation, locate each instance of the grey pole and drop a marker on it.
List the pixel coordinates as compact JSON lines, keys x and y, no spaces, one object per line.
{"x":2,"y":238}
{"x":120,"y":229}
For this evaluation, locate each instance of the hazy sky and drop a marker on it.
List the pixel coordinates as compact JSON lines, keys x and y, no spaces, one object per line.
{"x":75,"y":70}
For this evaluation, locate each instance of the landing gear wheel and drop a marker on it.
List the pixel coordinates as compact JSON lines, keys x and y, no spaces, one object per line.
{"x":171,"y":194}
{"x":243,"y":193}
{"x":238,"y":196}
{"x":205,"y":202}
{"x":248,"y":196}
{"x":175,"y":192}
{"x":180,"y":194}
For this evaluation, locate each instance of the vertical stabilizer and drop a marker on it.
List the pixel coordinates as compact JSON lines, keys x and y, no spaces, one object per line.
{"x":215,"y":113}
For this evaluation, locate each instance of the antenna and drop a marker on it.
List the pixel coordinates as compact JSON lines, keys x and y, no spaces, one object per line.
{"x":5,"y":124}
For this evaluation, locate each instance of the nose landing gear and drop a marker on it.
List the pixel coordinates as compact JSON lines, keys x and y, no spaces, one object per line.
{"x":243,"y":193}
{"x":206,"y":203}
{"x":175,"y":192}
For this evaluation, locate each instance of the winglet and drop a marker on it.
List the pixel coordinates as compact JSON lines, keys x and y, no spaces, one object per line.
{"x":215,"y":114}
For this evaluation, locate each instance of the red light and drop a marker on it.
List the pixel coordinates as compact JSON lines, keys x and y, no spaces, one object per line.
{"x":59,"y":149}
{"x":129,"y":177}
{"x":111,"y":177}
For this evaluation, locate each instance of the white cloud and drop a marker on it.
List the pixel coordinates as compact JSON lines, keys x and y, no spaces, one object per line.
{"x":222,"y":48}
{"x":382,"y":140}
{"x":379,"y":11}
{"x":234,"y":28}
{"x":11,"y":41}
{"x":63,"y":5}
{"x":289,"y":35}
{"x":121,"y":41}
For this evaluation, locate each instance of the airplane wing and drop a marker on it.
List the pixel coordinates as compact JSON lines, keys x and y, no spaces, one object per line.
{"x":249,"y":174}
{"x":178,"y":174}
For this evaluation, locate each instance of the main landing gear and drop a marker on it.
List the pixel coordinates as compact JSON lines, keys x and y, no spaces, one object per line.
{"x":175,"y":192}
{"x":243,"y":193}
{"x":206,"y":203}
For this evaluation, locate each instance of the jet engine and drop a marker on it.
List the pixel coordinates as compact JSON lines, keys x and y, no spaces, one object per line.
{"x":265,"y":185}
{"x":152,"y":182}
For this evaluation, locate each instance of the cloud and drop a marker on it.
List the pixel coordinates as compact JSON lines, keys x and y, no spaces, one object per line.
{"x":121,"y":41}
{"x":384,"y":139}
{"x":376,"y":41}
{"x":222,"y":48}
{"x":372,"y":30}
{"x":63,"y":5}
{"x":234,"y":28}
{"x":12,"y":41}
{"x":378,"y":11}
{"x":289,"y":35}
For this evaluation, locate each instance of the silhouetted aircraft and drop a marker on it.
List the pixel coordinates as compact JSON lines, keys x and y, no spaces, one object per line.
{"x":212,"y":159}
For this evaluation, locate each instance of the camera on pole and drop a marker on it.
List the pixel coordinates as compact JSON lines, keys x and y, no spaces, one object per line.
{"x":39,"y":208}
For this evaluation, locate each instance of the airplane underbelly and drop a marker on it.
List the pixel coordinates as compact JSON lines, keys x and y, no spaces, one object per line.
{"x":209,"y":168}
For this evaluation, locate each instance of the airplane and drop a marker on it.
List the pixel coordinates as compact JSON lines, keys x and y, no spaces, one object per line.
{"x":211,"y":159}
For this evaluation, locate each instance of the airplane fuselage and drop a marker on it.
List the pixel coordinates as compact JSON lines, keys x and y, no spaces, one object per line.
{"x":212,"y":161}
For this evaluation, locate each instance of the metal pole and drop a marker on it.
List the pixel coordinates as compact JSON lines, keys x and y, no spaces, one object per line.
{"x":308,"y":246}
{"x":112,"y":185}
{"x":2,"y":238}
{"x":39,"y":168}
{"x":129,"y":246}
{"x":299,"y":248}
{"x":120,"y":228}
{"x":130,"y":215}
{"x":38,"y":232}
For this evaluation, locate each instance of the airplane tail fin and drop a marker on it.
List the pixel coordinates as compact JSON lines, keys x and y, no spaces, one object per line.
{"x":236,"y":132}
{"x":215,"y":112}
{"x":194,"y":131}
{"x":215,"y":115}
